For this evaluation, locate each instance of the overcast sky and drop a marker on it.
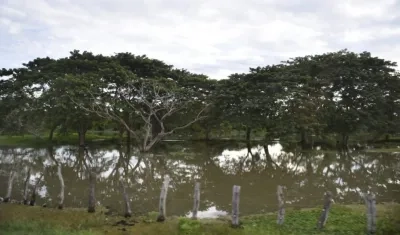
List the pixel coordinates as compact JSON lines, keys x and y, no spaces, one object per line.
{"x":216,"y":37}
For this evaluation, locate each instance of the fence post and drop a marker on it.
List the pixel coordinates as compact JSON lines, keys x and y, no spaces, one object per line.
{"x":92,"y":198}
{"x":281,"y":205}
{"x":62,"y":187}
{"x":370,"y":202}
{"x":11,"y":177}
{"x":196,"y":200}
{"x":128,"y":211}
{"x":26,"y":187}
{"x":163,"y":197}
{"x":235,"y":206}
{"x":325,"y":211}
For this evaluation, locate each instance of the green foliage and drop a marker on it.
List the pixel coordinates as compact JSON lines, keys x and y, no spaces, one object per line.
{"x":339,"y":92}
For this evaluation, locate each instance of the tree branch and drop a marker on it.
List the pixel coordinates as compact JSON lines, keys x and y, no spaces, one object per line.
{"x":145,"y":99}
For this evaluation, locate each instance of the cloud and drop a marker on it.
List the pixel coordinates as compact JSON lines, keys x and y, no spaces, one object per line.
{"x":212,"y":37}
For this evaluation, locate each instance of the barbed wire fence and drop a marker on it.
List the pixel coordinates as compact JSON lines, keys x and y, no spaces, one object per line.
{"x":284,"y":198}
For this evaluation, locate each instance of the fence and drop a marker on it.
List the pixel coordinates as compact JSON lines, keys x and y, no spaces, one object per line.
{"x":370,"y":202}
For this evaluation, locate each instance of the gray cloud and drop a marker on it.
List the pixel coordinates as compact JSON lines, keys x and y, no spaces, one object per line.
{"x":212,"y":37}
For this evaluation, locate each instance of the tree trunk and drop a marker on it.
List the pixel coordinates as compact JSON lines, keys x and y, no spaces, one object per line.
{"x":81,"y":154}
{"x":128,"y":151}
{"x":127,"y":118}
{"x":82,"y":137}
{"x":345,"y":140}
{"x":208,"y":130}
{"x":305,"y":143}
{"x":267,"y":154}
{"x":248,"y":144}
{"x":51,"y":134}
{"x":33,"y":198}
{"x":248,"y":134}
{"x":155,"y":126}
{"x":128,"y":138}
{"x":121,"y":133}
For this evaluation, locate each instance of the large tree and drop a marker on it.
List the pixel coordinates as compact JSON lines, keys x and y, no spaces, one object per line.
{"x":341,"y":92}
{"x":147,"y":100}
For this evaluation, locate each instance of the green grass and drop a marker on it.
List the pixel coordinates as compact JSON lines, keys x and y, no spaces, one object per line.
{"x":19,"y":219}
{"x":30,"y":140}
{"x":37,"y":228}
{"x":384,"y":150}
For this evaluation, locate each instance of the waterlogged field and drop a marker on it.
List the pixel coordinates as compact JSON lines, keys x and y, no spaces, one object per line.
{"x":217,"y":166}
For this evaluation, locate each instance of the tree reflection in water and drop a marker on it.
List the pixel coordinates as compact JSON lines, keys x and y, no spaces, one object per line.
{"x":217,"y":166}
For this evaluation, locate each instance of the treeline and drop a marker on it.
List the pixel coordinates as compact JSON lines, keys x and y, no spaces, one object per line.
{"x":341,"y":93}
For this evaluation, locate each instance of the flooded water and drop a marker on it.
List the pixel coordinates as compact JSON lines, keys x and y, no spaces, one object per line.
{"x":217,"y":166}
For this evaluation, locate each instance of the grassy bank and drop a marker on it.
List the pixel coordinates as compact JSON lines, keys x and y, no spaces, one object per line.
{"x":69,"y":139}
{"x":91,"y":137}
{"x":112,"y":137}
{"x":18,"y":219}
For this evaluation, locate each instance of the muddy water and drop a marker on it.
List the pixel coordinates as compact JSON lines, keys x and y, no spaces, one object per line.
{"x":217,"y":166}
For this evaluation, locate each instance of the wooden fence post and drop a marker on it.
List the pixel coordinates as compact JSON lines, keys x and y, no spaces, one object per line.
{"x":26,"y":187}
{"x":235,"y":206}
{"x":62,"y":186}
{"x":92,"y":198}
{"x":127,"y":205}
{"x":196,"y":200}
{"x":163,"y":198}
{"x":370,"y":202}
{"x":325,"y":211}
{"x":11,"y":178}
{"x":281,"y":205}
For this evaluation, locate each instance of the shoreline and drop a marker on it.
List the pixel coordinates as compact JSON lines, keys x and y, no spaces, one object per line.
{"x":343,"y":219}
{"x":113,"y":139}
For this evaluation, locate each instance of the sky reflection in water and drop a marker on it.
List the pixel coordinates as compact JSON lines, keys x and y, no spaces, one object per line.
{"x":307,"y":175}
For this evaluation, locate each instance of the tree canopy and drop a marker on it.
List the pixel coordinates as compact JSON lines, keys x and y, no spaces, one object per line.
{"x":341,"y":93}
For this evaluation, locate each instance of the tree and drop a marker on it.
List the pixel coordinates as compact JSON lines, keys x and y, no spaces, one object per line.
{"x":253,"y":100}
{"x":341,"y":92}
{"x":305,"y":98}
{"x":32,"y":92}
{"x":147,"y":99}
{"x":356,"y":91}
{"x":19,"y":97}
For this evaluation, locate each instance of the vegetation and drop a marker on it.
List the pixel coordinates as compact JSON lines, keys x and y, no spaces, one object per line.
{"x":329,"y":99}
{"x":29,"y":140}
{"x":305,"y":98}
{"x":342,"y":220}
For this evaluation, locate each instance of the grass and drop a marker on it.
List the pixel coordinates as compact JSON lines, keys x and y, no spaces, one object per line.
{"x":19,"y":219}
{"x":72,"y":138}
{"x":384,"y":150}
{"x":37,"y":228}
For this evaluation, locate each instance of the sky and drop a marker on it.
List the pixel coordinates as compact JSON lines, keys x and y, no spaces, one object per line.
{"x":216,"y":38}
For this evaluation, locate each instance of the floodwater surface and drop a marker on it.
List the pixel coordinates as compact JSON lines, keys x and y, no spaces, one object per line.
{"x":217,"y":166}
